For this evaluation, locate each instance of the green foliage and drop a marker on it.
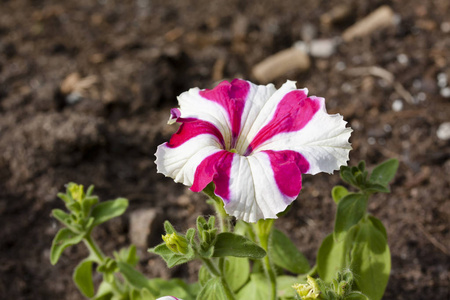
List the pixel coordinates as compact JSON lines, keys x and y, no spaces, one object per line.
{"x":63,"y":239}
{"x":109,"y":209}
{"x":171,"y":258}
{"x":127,"y":255}
{"x":284,"y":287}
{"x":213,"y":290}
{"x":359,"y":241}
{"x":378,"y":180}
{"x":371,"y":260}
{"x":257,"y":288}
{"x":82,"y":277}
{"x":237,"y":271}
{"x":286,"y":255}
{"x":353,"y":262}
{"x":230,"y":244}
{"x":350,"y":210}
{"x":365,"y":251}
{"x":338,"y":192}
{"x":135,"y":278}
{"x":384,"y":172}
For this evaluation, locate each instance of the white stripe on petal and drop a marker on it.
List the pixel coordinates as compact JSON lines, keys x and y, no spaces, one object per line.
{"x":256,"y":99}
{"x":254,"y":193}
{"x":263,"y":110}
{"x":181,"y":162}
{"x":192,"y":105}
{"x":323,"y":141}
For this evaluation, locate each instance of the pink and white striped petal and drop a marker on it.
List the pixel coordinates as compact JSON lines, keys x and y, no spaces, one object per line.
{"x":181,"y":162}
{"x":169,"y":298}
{"x":323,"y":141}
{"x":263,"y":184}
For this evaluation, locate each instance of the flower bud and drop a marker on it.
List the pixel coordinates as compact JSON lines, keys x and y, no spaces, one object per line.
{"x":77,"y":191}
{"x":175,"y":242}
{"x":309,"y":290}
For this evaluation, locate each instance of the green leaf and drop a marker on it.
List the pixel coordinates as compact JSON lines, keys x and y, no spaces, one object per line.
{"x":61,"y":216}
{"x":362,"y":166}
{"x":134,"y":277}
{"x":350,"y":210}
{"x":127,"y":255}
{"x":355,"y":295}
{"x":338,"y":192}
{"x":376,"y":188}
{"x":284,"y":287}
{"x":104,"y":292}
{"x":384,"y":172}
{"x":378,"y":225}
{"x":108,"y":210}
{"x":371,"y":261}
{"x":203,"y":276}
{"x":333,"y":256}
{"x":65,"y":198}
{"x":257,"y":288}
{"x":172,"y":258}
{"x":237,"y":271}
{"x":63,"y":239}
{"x":82,"y":276}
{"x":230,"y":244}
{"x":168,"y":227}
{"x":286,"y":255}
{"x":213,"y":290}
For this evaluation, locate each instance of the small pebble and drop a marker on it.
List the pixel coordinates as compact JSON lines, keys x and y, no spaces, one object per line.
{"x":387,"y":128}
{"x":445,"y":27}
{"x":421,"y":97}
{"x":442,"y":80}
{"x":443,"y":132}
{"x":340,"y":66}
{"x":417,"y":84}
{"x":402,"y":59}
{"x":371,"y":141}
{"x":445,"y":92}
{"x":397,"y":105}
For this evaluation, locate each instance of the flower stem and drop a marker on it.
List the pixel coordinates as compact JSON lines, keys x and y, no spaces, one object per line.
{"x":263,"y":230}
{"x":218,"y":272}
{"x":223,"y":217}
{"x":95,"y":251}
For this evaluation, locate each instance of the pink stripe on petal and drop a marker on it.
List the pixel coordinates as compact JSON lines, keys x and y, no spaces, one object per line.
{"x":288,"y":167}
{"x":216,"y":168}
{"x":231,"y":96}
{"x":191,"y":128}
{"x":293,"y":112}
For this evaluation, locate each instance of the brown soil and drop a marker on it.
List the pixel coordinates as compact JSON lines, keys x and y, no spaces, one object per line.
{"x":132,"y":59}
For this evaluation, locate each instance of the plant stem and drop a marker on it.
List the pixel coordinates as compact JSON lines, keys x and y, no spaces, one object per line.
{"x":94,"y":249}
{"x":100,"y":257}
{"x":224,"y":220}
{"x":218,"y":272}
{"x":264,"y":229}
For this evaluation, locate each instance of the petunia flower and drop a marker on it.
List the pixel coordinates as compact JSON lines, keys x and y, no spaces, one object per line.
{"x":253,"y":142}
{"x":169,"y":298}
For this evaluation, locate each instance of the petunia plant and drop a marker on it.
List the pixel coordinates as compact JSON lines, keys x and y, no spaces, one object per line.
{"x":245,"y":146}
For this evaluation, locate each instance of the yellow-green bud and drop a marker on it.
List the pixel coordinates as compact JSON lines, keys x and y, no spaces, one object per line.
{"x":77,"y":192}
{"x":309,"y":290}
{"x":176,"y":243}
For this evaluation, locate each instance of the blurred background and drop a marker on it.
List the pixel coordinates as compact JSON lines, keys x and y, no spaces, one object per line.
{"x":85,"y":92}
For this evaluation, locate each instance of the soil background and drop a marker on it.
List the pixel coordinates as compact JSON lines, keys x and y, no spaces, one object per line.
{"x":85,"y":92}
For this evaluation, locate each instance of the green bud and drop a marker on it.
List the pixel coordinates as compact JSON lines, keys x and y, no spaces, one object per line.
{"x":308,"y":291}
{"x":77,"y":191}
{"x":175,"y":242}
